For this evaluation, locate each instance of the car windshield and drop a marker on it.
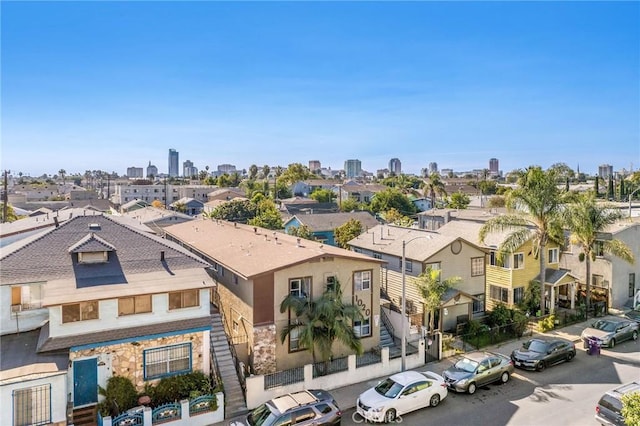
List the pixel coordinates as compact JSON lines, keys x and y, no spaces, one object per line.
{"x":258,"y":416}
{"x":389,"y":388}
{"x":467,"y":365}
{"x":605,"y":325}
{"x":535,"y":346}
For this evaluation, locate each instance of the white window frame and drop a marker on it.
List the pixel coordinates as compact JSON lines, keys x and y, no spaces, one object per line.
{"x":477,"y":266}
{"x":362,"y":280}
{"x":501,"y":292}
{"x":518,"y":260}
{"x":300,"y":287}
{"x":164,"y":357}
{"x":362,"y":328}
{"x":30,"y":296}
{"x":553,"y":255}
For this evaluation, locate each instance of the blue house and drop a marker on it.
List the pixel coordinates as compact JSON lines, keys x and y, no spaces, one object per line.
{"x":323,"y":225}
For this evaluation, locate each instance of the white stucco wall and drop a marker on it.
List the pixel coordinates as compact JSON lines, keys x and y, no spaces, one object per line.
{"x":58,"y":384}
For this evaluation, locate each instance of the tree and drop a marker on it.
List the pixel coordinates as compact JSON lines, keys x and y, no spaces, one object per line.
{"x":296,"y":172}
{"x":267,"y":215}
{"x":431,"y":289}
{"x":235,"y":211}
{"x":350,"y":205}
{"x":610,"y":189}
{"x":631,"y":408}
{"x":434,"y":187}
{"x":397,"y":218}
{"x":496,"y":201}
{"x":322,"y":195}
{"x":180,"y":207}
{"x":157,"y":204}
{"x":534,"y":215}
{"x":596,"y":186}
{"x":265,"y":171}
{"x":392,"y":198}
{"x":321,"y":322}
{"x":63,"y":175}
{"x":11,"y":213}
{"x":302,"y":231}
{"x":459,"y":200}
{"x":585,"y":219}
{"x":253,"y":172}
{"x":562,"y":171}
{"x":347,"y":232}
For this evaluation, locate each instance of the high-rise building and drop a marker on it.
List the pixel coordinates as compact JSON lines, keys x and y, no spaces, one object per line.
{"x":395,"y":167}
{"x":352,"y":168}
{"x":174,"y":164}
{"x":605,"y":170}
{"x":152,"y":171}
{"x":314,"y":165}
{"x":134,"y":172}
{"x":433,"y":167}
{"x":494,"y":168}
{"x":188,"y":170}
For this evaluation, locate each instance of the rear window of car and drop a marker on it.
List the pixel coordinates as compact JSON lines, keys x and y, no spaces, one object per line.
{"x":323,"y":408}
{"x":611,"y":403}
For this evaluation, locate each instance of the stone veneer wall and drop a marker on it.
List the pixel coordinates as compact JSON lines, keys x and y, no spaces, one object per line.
{"x":264,"y":349}
{"x":127,"y":358}
{"x":232,"y":306}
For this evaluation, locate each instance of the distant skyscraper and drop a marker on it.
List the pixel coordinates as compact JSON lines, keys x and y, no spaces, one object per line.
{"x":152,"y":171}
{"x":352,"y":168}
{"x":174,"y":164}
{"x":314,"y":165}
{"x":494,"y":168}
{"x":605,"y":170}
{"x":395,"y":167}
{"x":433,"y":167}
{"x":134,"y":172}
{"x":188,"y":170}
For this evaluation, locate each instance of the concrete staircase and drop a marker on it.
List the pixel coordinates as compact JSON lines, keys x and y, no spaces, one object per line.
{"x":86,"y":416}
{"x":387,"y":341}
{"x":234,"y":402}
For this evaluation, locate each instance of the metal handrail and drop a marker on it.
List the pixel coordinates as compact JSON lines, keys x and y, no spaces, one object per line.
{"x":387,"y":324}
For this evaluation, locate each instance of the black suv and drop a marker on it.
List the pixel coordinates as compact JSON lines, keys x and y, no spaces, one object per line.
{"x":312,"y":407}
{"x":608,"y":410}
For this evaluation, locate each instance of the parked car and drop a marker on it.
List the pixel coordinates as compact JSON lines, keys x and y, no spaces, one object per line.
{"x":608,"y":410}
{"x":610,"y":331}
{"x":308,"y":407}
{"x":400,"y":394}
{"x":634,"y":315}
{"x":478,"y":369}
{"x":539,"y":353}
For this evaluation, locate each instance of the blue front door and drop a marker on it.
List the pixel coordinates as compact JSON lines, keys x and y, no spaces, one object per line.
{"x":85,"y":382}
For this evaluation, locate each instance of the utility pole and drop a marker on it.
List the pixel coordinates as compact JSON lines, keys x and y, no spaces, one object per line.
{"x":5,"y":198}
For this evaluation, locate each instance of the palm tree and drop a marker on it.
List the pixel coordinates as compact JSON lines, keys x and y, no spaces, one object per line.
{"x":534,"y":215}
{"x":431,"y":288}
{"x":321,"y":322}
{"x":433,"y":187}
{"x":63,"y":175}
{"x":586,"y":219}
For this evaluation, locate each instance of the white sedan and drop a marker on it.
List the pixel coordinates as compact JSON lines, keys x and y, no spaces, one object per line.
{"x":400,"y":394}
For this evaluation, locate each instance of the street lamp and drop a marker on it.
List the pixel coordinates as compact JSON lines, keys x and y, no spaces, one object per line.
{"x":404,"y":303}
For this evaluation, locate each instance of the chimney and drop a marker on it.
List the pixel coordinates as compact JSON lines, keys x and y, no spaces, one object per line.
{"x":55,"y":220}
{"x":162,"y":256}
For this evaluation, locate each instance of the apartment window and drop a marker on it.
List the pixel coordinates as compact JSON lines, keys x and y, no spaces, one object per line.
{"x":477,"y":266}
{"x":632,"y":284}
{"x":300,"y":287}
{"x":93,"y":257}
{"x":598,"y":248}
{"x":362,"y":280}
{"x":552,"y":255}
{"x":377,"y":255}
{"x":518,"y":260}
{"x":478,"y":303}
{"x":80,"y":311}
{"x":434,"y":267}
{"x":32,"y":406}
{"x":518,"y":294}
{"x":184,"y":299}
{"x":134,"y":305}
{"x":362,"y":328}
{"x":167,"y":361}
{"x":566,"y":244}
{"x":500,"y":294}
{"x":235,"y":279}
{"x":330,"y":281}
{"x":408,"y":267}
{"x":493,"y":258}
{"x":26,"y":297}
{"x":597,"y":280}
{"x":294,"y":340}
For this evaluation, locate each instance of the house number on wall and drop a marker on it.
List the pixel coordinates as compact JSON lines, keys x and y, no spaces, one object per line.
{"x":362,"y":305}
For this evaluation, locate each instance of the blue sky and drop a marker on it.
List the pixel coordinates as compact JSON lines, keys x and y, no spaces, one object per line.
{"x":109,"y":85}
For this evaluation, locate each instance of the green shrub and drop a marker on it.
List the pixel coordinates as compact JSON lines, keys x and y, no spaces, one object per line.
{"x":120,"y":395}
{"x":499,"y":316}
{"x":547,"y":324}
{"x":176,"y":388}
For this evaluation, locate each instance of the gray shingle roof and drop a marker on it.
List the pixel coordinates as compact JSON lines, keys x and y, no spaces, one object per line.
{"x":553,"y":275}
{"x":330,"y":221}
{"x":19,"y":350}
{"x":90,"y":243}
{"x":45,"y":256}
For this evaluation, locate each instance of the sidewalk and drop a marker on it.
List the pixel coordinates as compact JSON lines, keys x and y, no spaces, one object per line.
{"x":346,"y":396}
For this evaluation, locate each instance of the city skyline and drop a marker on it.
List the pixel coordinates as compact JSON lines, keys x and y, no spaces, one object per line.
{"x":111,"y":85}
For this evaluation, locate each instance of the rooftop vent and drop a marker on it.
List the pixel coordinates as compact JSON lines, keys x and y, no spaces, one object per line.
{"x":94,"y":226}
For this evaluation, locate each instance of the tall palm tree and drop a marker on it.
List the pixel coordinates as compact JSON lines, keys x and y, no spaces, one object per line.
{"x":535,"y":214}
{"x":432,"y":288}
{"x":586,"y":219}
{"x":63,"y":175}
{"x":321,"y":322}
{"x":434,"y":186}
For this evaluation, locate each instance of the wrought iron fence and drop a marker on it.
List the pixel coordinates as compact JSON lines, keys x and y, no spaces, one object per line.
{"x":334,"y":365}
{"x":284,"y":377}
{"x":486,"y":335}
{"x":368,"y":358}
{"x":129,"y":419}
{"x":166,"y":413}
{"x":202,"y":404}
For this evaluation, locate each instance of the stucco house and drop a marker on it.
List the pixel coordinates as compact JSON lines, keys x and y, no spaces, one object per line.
{"x":107,"y":297}
{"x":256,"y":268}
{"x":452,"y":255}
{"x":323,"y":225}
{"x":157,"y":218}
{"x":187,"y":205}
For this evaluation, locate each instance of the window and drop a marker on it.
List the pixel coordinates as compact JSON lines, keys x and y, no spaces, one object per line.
{"x":236,"y":326}
{"x":566,"y":244}
{"x":184,"y":299}
{"x":362,"y":280}
{"x":235,"y":279}
{"x":32,"y":406}
{"x":26,"y":297}
{"x":80,"y":311}
{"x":134,"y":305}
{"x":477,"y":266}
{"x":408,"y":267}
{"x":294,"y":340}
{"x":434,"y":267}
{"x":500,"y":294}
{"x":552,"y":255}
{"x":330,"y":281}
{"x":167,"y":360}
{"x":518,"y":294}
{"x":518,"y":260}
{"x":598,"y":248}
{"x":93,"y":257}
{"x":362,"y":328}
{"x":632,"y":284}
{"x":597,"y":280}
{"x":303,"y":415}
{"x":493,"y":258}
{"x":478,"y":303}
{"x":377,"y":255}
{"x":300,"y":287}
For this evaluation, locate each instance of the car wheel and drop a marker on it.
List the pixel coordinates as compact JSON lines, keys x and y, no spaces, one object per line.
{"x":504,"y":378}
{"x":634,"y":336}
{"x":612,"y":344}
{"x":390,"y":416}
{"x":435,"y":400}
{"x":472,"y":388}
{"x":541,"y":366}
{"x":570,"y":356}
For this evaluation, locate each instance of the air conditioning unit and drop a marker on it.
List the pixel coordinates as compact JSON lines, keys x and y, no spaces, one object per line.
{"x":16,"y":308}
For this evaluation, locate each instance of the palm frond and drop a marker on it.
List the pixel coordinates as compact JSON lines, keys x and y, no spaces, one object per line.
{"x":619,"y":249}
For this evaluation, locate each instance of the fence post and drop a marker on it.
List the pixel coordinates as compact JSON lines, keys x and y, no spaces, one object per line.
{"x":184,"y":409}
{"x":384,"y":357}
{"x":106,"y":421}
{"x":351,"y":363}
{"x":147,"y":416}
{"x":308,"y":376}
